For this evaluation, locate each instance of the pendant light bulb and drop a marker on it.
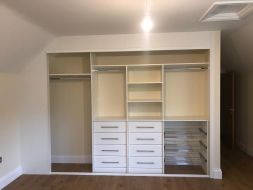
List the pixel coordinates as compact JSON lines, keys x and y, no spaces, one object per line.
{"x":147,"y":24}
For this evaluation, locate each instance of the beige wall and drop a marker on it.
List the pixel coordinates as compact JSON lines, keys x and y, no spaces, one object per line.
{"x":35,"y":149}
{"x":237,"y":56}
{"x":20,"y":40}
{"x":9,"y":125}
{"x":244,"y":111}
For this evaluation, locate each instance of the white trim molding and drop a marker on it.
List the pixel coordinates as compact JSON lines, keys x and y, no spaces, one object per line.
{"x":76,"y":159}
{"x":10,"y":177}
{"x":217,"y":173}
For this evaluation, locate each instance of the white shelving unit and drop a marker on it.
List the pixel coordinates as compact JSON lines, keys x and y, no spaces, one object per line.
{"x":157,"y":95}
{"x":147,"y":109}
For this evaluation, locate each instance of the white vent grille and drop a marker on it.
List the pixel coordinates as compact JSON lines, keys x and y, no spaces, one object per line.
{"x":227,"y":10}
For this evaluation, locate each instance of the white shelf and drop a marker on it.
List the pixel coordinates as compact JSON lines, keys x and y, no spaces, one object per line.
{"x":185,"y":118}
{"x":144,"y":83}
{"x":145,"y":101}
{"x":111,"y":118}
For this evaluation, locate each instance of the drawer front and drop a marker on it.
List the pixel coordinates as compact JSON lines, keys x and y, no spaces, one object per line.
{"x":145,"y":150}
{"x":145,"y":138}
{"x":110,"y":150}
{"x":109,"y":170}
{"x":146,"y":127}
{"x":109,"y":127}
{"x":110,"y":138}
{"x":145,"y":171}
{"x":145,"y":162}
{"x":110,"y":162}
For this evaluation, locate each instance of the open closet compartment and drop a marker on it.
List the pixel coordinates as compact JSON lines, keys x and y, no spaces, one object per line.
{"x":186,"y":147}
{"x":186,"y":118}
{"x":144,"y":92}
{"x":109,"y":91}
{"x":109,"y":116}
{"x":70,"y":112}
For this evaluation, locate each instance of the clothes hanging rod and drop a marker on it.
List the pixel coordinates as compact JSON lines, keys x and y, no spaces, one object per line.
{"x":68,"y":78}
{"x":186,"y":69}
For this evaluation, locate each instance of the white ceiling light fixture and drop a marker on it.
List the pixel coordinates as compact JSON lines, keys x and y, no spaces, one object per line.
{"x":147,"y":23}
{"x":228,"y":10}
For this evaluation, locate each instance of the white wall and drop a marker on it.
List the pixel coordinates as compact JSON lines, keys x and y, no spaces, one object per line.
{"x":34,"y":118}
{"x":9,"y":124}
{"x":20,"y":41}
{"x":237,"y":56}
{"x":35,"y":134}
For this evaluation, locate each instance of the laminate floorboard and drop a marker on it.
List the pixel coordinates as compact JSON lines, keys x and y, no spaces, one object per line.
{"x":71,"y":167}
{"x":184,"y":169}
{"x":237,"y":175}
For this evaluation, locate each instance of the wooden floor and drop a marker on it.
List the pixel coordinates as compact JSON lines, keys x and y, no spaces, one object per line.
{"x":237,"y":171}
{"x":71,"y":167}
{"x":184,"y":169}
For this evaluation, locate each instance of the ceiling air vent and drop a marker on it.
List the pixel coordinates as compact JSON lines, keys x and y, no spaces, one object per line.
{"x":227,"y":10}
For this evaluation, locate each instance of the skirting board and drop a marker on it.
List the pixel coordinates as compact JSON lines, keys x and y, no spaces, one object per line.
{"x":246,"y":149}
{"x":71,"y":159}
{"x":10,"y":177}
{"x":217,"y":173}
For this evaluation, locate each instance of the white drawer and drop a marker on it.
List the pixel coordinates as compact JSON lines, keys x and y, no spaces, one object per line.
{"x":109,"y":170}
{"x":145,"y":171}
{"x":110,"y":162}
{"x":145,"y":138}
{"x":145,"y":162}
{"x":110,"y":150}
{"x":145,"y":150}
{"x":147,"y":127}
{"x":109,"y":127}
{"x":110,"y":138}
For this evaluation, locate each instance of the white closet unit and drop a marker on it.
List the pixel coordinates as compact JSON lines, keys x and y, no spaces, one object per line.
{"x":135,"y":112}
{"x":154,"y":108}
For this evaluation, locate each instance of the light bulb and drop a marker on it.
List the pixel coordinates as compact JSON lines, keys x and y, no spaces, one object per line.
{"x":147,"y":24}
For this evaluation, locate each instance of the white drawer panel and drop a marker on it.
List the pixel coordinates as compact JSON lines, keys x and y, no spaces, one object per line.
{"x":109,"y":127}
{"x":110,"y":162}
{"x":145,"y":138}
{"x":145,"y":150}
{"x":109,"y":170}
{"x":110,"y":150}
{"x":145,"y":171}
{"x":145,"y":162}
{"x":148,"y":127}
{"x":110,"y":138}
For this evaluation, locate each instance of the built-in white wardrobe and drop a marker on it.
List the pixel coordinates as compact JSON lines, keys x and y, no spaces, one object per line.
{"x":133,"y":112}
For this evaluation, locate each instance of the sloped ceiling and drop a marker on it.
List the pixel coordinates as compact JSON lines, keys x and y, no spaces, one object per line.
{"x":20,"y":40}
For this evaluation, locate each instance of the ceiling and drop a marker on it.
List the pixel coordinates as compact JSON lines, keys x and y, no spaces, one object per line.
{"x":89,"y":17}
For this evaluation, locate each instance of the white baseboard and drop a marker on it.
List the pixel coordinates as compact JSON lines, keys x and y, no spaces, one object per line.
{"x":245,"y":148}
{"x":71,"y":159}
{"x":217,"y":173}
{"x":10,"y":177}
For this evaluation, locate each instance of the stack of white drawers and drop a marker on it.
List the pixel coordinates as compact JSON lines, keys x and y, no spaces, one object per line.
{"x":145,"y":147}
{"x":109,"y":147}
